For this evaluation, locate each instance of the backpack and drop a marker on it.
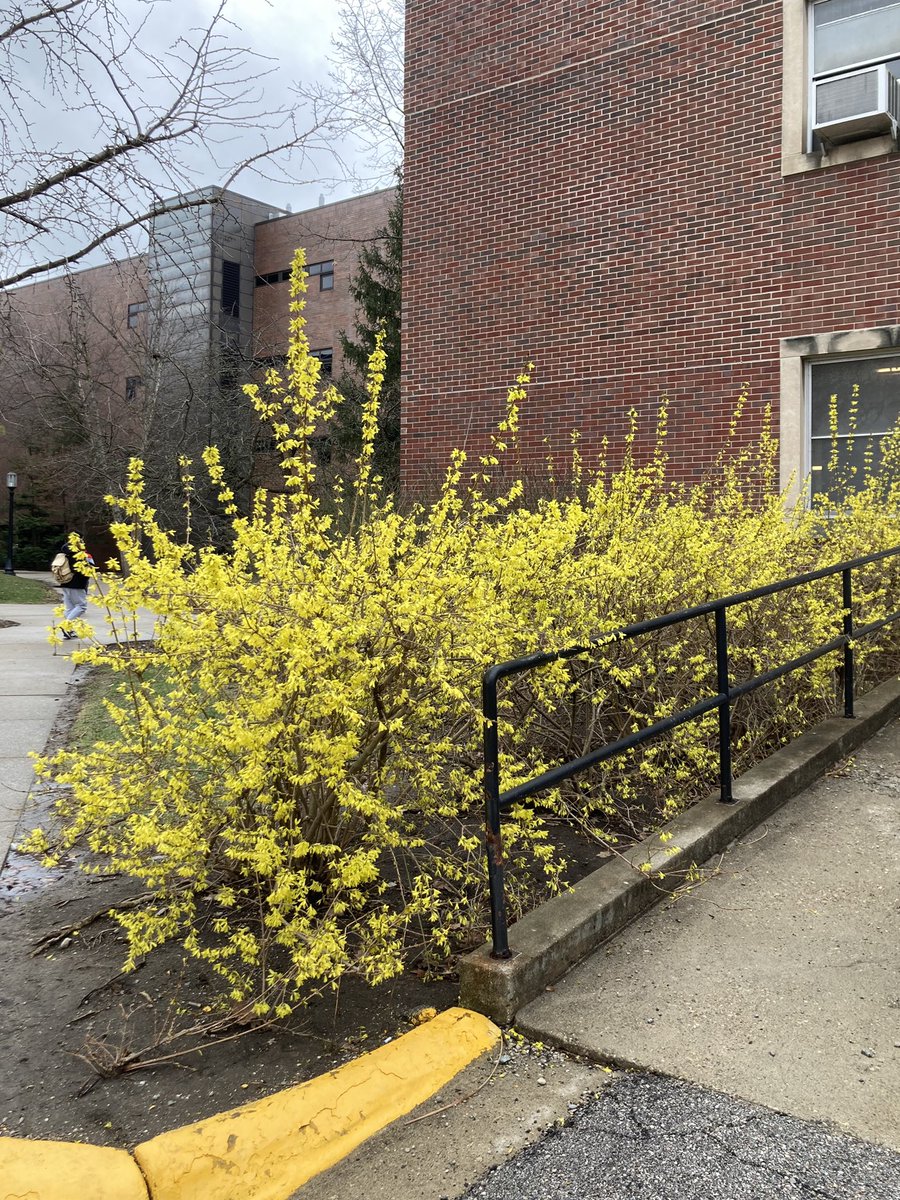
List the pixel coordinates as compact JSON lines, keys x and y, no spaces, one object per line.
{"x":61,"y":569}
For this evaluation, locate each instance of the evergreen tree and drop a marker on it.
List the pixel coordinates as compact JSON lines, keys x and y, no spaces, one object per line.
{"x":376,"y":288}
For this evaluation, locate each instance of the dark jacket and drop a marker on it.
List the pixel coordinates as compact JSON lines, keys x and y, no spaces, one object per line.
{"x":78,"y":581}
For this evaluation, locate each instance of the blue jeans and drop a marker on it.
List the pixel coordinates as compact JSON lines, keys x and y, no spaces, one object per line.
{"x":74,"y":602}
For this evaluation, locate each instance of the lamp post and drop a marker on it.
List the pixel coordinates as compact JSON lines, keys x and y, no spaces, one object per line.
{"x":11,"y":481}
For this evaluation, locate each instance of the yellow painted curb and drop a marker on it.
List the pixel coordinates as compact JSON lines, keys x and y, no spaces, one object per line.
{"x":67,"y":1171}
{"x":268,"y":1149}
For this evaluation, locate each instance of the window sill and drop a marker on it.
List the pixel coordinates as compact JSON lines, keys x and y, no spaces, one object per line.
{"x":798,"y":164}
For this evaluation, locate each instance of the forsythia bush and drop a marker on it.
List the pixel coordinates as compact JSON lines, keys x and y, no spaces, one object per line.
{"x":295,"y":776}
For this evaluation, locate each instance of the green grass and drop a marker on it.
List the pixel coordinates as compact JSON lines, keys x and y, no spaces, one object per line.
{"x":93,"y":723}
{"x":14,"y":590}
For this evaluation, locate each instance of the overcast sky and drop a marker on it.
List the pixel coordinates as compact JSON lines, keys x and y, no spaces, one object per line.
{"x":293,"y":40}
{"x":52,"y":98}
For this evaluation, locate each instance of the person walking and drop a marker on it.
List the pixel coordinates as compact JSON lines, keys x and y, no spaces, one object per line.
{"x":74,"y":583}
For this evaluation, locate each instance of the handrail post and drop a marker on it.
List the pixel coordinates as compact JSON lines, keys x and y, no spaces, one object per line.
{"x":847,"y":602}
{"x":493,"y":836}
{"x":725,"y":794}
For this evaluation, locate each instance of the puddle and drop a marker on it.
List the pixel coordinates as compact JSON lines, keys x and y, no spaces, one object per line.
{"x":24,"y":875}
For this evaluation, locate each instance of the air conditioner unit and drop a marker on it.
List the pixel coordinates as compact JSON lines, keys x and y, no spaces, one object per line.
{"x":859,"y":104}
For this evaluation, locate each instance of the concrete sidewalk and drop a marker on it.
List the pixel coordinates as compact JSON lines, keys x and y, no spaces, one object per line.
{"x":33,"y":683}
{"x":35,"y":678}
{"x":778,"y":980}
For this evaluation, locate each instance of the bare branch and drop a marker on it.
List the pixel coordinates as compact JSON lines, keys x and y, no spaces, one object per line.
{"x":68,"y":260}
{"x":18,"y":27}
{"x":364,"y":94}
{"x":129,"y":124}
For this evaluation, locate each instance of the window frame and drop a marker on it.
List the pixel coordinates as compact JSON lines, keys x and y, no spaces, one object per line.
{"x":797,"y":156}
{"x":132,"y":384}
{"x":795,"y":408}
{"x":135,"y":311}
{"x":314,"y":270}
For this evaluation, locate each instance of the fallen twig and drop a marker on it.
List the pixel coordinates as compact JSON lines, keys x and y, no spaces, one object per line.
{"x":58,"y":935}
{"x":107,"y":1061}
{"x":461,"y":1099}
{"x":101,"y":987}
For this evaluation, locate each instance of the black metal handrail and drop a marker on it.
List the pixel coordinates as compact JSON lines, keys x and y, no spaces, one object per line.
{"x":496,"y":801}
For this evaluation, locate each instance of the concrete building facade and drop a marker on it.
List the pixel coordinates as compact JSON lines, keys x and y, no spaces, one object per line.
{"x":649,"y":201}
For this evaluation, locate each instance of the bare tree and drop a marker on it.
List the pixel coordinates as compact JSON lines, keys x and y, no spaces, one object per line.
{"x":86,"y":386}
{"x":125,"y":120}
{"x":65,"y":419}
{"x":362,"y":101}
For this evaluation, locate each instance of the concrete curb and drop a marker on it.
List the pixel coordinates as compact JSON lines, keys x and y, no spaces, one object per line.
{"x":558,"y":934}
{"x":265,"y":1150}
{"x":67,"y":1171}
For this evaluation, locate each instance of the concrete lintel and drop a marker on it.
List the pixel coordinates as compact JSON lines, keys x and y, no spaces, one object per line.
{"x":557,"y":934}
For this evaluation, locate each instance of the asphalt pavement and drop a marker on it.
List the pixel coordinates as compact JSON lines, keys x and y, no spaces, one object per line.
{"x":651,"y":1138}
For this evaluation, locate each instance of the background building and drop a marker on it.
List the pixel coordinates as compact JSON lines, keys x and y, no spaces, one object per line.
{"x":649,"y":200}
{"x":147,"y":356}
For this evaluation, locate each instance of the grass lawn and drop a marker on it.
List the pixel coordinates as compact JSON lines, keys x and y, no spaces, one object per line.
{"x":92,"y":722}
{"x":15,"y":590}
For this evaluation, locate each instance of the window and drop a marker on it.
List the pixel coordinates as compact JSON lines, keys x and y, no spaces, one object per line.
{"x":853,"y":403}
{"x":132,"y":383}
{"x":854,"y":51}
{"x":853,"y":33}
{"x":325,"y":273}
{"x":326,"y":360}
{"x":272,"y":277}
{"x":274,"y":362}
{"x":860,"y":368}
{"x":231,"y":288}
{"x":839,"y":58}
{"x":134,"y":313}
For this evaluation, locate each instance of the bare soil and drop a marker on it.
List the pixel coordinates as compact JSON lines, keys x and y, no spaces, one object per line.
{"x":68,"y":1010}
{"x":71,"y":1001}
{"x":72,"y":1019}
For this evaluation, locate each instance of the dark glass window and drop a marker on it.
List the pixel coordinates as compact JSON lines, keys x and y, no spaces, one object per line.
{"x":326,"y":359}
{"x":324,"y":271}
{"x":231,"y":288}
{"x":267,"y":361}
{"x":853,"y":404}
{"x":134,"y":312}
{"x":272,"y":277}
{"x":132,"y":383}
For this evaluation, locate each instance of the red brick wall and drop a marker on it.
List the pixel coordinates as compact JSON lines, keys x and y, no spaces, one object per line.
{"x":334,"y":231}
{"x":596,"y":186}
{"x":61,"y":330}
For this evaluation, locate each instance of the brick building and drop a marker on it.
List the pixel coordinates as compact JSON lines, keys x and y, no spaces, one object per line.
{"x":646,"y":200}
{"x":332,"y":235}
{"x":147,"y":355}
